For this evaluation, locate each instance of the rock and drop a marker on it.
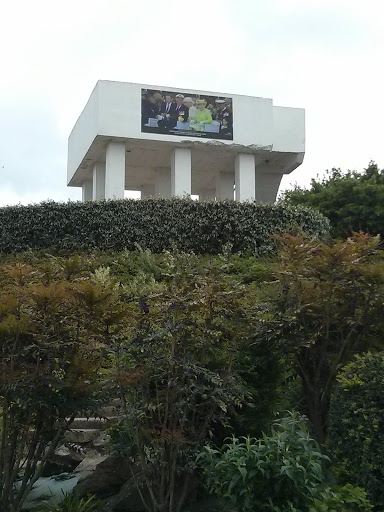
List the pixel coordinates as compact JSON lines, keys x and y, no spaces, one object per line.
{"x":113,"y":481}
{"x":92,"y":423}
{"x":128,"y":499}
{"x":101,"y":442}
{"x":107,"y":479}
{"x":92,"y":459}
{"x":82,"y":436}
{"x":64,"y":460}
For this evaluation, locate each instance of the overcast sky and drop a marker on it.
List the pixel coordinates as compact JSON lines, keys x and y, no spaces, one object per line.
{"x":324,"y":55}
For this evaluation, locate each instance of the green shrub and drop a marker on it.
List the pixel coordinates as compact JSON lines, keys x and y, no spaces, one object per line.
{"x":356,"y":425}
{"x":343,"y":499}
{"x":156,"y":224}
{"x":279,"y":472}
{"x":72,"y":503}
{"x":282,"y":472}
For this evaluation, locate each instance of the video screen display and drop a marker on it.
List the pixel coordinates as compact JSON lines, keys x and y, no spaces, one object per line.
{"x":182,"y":113}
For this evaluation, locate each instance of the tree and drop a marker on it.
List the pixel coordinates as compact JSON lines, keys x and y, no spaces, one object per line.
{"x":328,"y":306}
{"x":53,"y":327}
{"x":356,"y":419}
{"x":177,"y":373}
{"x":352,"y":201}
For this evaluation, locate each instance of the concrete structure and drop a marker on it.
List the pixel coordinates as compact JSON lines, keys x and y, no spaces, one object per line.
{"x":108,"y":152}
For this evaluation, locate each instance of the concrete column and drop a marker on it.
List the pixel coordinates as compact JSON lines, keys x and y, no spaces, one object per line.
{"x":208,"y":194}
{"x":267,"y":185}
{"x":87,"y":190}
{"x":148,"y":190}
{"x":181,"y":172}
{"x":98,"y":181}
{"x":115,"y":170}
{"x":224,"y":186}
{"x":245,"y":177}
{"x":163,"y":182}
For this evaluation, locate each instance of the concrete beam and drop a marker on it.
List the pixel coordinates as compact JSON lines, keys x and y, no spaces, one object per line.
{"x":148,"y":190}
{"x":98,"y":181}
{"x":163,"y":182}
{"x":115,"y":170}
{"x":87,"y":190}
{"x":181,"y":172}
{"x":225,"y":185}
{"x":245,"y":177}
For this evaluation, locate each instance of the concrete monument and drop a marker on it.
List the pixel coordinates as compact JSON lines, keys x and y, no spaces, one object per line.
{"x":172,"y":142}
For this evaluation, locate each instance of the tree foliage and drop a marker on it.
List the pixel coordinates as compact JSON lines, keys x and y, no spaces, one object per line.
{"x":328,"y":306}
{"x":177,"y":373}
{"x":52,"y":330}
{"x":356,"y":421}
{"x":352,"y":201}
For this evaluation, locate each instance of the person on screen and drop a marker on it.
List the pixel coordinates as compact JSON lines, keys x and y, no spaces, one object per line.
{"x":148,"y":108}
{"x":168,"y":105}
{"x":190,"y":104}
{"x":181,"y":110}
{"x":173,"y":112}
{"x":166,"y":117}
{"x":203,"y":116}
{"x":159,"y":102}
{"x":224,"y":116}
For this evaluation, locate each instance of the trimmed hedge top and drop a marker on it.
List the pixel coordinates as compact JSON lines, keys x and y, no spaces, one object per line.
{"x":156,"y":224}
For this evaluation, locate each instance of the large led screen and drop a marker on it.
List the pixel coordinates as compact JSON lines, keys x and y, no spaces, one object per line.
{"x":182,"y":113}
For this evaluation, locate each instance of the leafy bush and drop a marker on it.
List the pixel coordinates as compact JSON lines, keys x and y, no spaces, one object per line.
{"x":343,"y":499}
{"x":72,"y":503}
{"x":356,"y":425}
{"x":352,"y":201}
{"x":282,"y":472}
{"x":156,"y":224}
{"x":279,"y":472}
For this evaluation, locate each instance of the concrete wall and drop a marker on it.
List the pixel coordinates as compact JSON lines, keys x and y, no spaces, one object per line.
{"x":268,"y":141}
{"x":83,"y":133}
{"x":120,"y":115}
{"x":288,"y":129}
{"x":114,"y":110}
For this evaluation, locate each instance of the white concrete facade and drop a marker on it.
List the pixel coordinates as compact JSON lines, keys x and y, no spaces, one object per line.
{"x":108,"y":153}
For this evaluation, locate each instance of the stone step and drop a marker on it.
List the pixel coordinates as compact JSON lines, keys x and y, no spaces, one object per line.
{"x":109,"y":410}
{"x":82,"y":435}
{"x":92,"y":423}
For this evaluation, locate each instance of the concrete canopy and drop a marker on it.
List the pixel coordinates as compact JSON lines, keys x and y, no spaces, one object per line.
{"x":273,"y":137}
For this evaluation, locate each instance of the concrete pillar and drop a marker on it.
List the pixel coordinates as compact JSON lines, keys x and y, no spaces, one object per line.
{"x":267,"y":185}
{"x":148,"y":190}
{"x":181,"y":172}
{"x":224,"y":186}
{"x":87,"y":190}
{"x":98,"y":181}
{"x":163,"y":182}
{"x":115,"y":170}
{"x":208,"y":194}
{"x":245,"y":177}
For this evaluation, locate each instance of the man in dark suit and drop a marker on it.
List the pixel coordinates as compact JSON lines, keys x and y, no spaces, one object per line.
{"x":173,"y":112}
{"x":158,"y":102}
{"x":168,"y":111}
{"x":181,"y":111}
{"x":148,"y":108}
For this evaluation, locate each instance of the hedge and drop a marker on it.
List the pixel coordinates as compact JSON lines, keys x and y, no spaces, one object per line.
{"x":156,"y":224}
